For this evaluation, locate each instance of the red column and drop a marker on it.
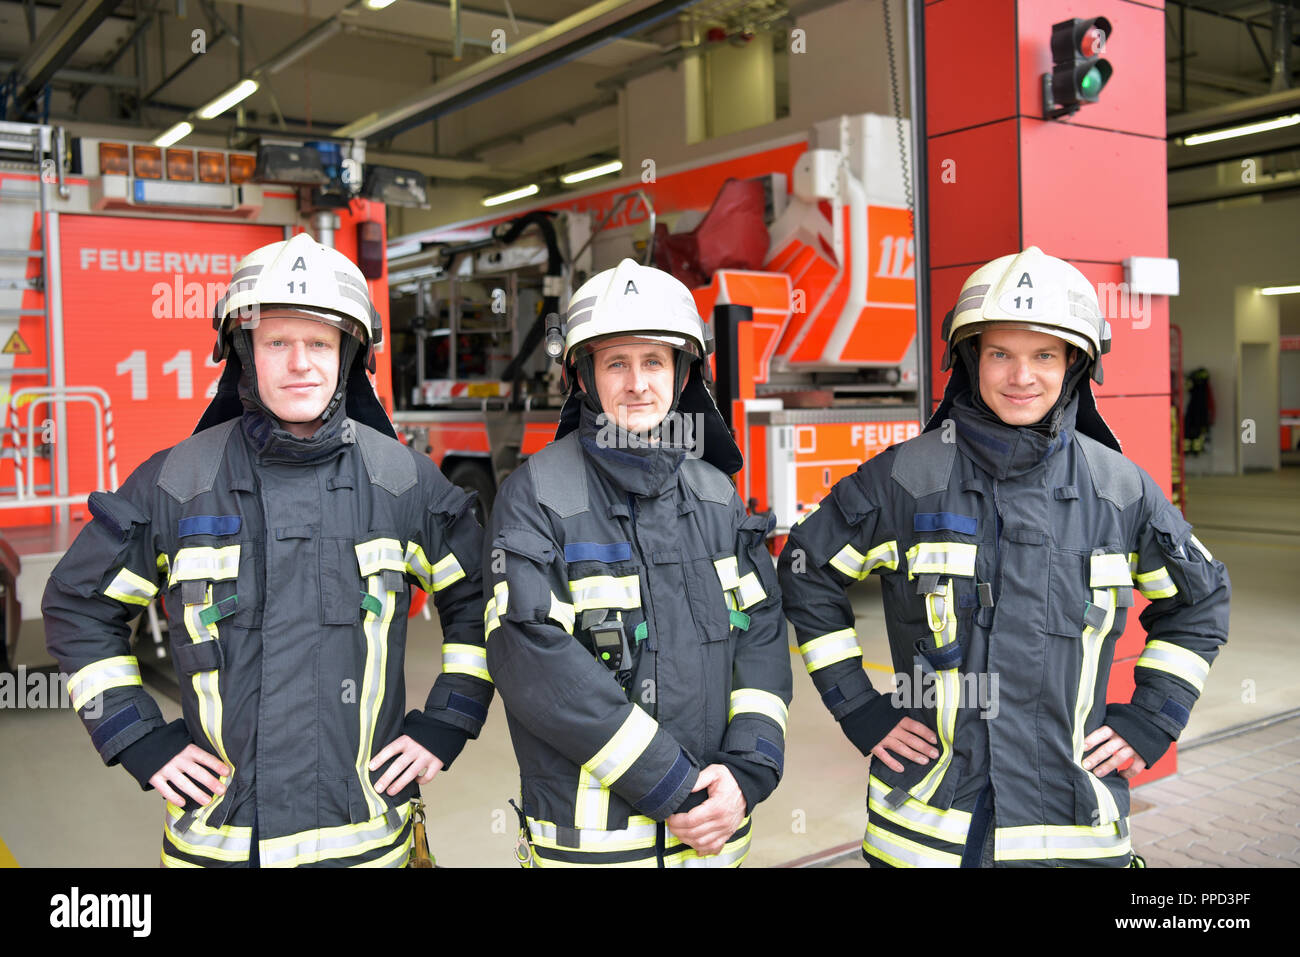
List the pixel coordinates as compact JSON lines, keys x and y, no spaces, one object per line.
{"x":1090,"y":189}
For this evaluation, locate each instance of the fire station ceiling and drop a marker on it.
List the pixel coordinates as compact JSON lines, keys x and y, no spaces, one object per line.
{"x":461,"y":94}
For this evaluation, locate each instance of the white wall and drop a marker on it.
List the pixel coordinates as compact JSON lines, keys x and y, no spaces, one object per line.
{"x":1220,"y":246}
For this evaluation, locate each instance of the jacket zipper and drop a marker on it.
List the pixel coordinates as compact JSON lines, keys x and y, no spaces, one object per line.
{"x":661,"y":830}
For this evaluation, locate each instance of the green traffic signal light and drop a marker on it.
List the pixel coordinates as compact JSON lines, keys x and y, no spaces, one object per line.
{"x":1091,"y":83}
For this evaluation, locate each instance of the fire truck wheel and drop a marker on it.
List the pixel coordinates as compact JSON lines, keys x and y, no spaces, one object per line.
{"x":474,"y":477}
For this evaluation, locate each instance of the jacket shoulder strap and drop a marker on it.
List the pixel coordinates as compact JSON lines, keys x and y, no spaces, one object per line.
{"x":923,"y":465}
{"x":707,"y":481}
{"x":560,"y":476}
{"x":191,"y":467}
{"x":388,"y":462}
{"x":1114,"y":477}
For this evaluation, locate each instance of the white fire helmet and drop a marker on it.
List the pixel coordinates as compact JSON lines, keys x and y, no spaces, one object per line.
{"x":298,"y":274}
{"x":634,"y":300}
{"x":1034,"y":291}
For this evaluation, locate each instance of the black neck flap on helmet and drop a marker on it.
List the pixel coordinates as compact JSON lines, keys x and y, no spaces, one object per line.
{"x":965,"y":378}
{"x":237,"y":388}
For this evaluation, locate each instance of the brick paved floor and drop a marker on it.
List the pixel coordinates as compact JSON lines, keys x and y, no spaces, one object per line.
{"x":1235,"y":802}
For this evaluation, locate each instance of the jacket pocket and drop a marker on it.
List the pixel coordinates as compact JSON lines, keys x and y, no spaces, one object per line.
{"x":340,"y":582}
{"x":1085,"y":588}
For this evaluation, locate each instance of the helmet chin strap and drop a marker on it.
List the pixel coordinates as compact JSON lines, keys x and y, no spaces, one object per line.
{"x":242,"y":343}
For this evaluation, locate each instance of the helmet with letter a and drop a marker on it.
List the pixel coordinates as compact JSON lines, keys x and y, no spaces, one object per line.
{"x":297,"y":278}
{"x":300,"y":277}
{"x":1033,"y":291}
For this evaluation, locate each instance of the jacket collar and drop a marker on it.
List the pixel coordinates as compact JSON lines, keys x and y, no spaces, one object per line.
{"x":1005,"y":450}
{"x":626,"y":459}
{"x":272,"y":444}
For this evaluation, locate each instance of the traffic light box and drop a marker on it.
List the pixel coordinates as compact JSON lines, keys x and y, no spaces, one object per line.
{"x":1078,"y":71}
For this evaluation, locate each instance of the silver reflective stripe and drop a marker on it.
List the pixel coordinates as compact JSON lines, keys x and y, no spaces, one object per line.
{"x":1175,"y":660}
{"x":755,"y":701}
{"x":94,"y":679}
{"x":446,"y":572}
{"x":751,"y":592}
{"x":730,"y":855}
{"x":728,"y":572}
{"x":1157,"y":584}
{"x":941,"y":558}
{"x":831,"y":648}
{"x":131,"y":588}
{"x":605,"y":591}
{"x":627,"y":744}
{"x":227,"y":843}
{"x":562,"y":613}
{"x":205,"y":563}
{"x":495,"y":608}
{"x":372,"y":687}
{"x":544,"y":832}
{"x":380,"y":554}
{"x":854,"y":564}
{"x":1086,"y":693}
{"x":1109,"y":571}
{"x":948,"y":825}
{"x":466,"y":660}
{"x":899,"y":851}
{"x":974,"y":299}
{"x":327,"y":843}
{"x":1046,"y":842}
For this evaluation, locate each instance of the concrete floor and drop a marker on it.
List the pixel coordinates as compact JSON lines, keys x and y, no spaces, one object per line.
{"x":60,"y":807}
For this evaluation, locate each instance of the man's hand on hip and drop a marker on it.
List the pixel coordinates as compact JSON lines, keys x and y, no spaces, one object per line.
{"x":411,"y":762}
{"x":707,"y":827}
{"x":1112,"y":754}
{"x":909,"y":739}
{"x":180,"y":774}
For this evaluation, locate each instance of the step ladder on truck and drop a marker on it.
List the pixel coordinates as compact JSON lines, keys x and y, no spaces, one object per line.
{"x":112,"y":257}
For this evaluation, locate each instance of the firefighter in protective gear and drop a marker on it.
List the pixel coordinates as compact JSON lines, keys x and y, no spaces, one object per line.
{"x":633,"y":619}
{"x":282,"y":535}
{"x":1010,"y":537}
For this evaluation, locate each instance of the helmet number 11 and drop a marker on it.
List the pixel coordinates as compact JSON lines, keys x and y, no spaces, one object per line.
{"x":302,"y":287}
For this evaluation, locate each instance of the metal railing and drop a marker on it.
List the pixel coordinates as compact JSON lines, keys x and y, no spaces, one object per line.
{"x":25,"y":453}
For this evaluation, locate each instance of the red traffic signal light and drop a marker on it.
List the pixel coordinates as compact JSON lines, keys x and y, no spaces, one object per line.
{"x":1078,"y":72}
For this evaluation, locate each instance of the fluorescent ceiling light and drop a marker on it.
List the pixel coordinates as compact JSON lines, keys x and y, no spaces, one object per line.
{"x":178,"y":132}
{"x":378,"y":4}
{"x":1279,"y":290}
{"x":568,"y":179}
{"x":1277,"y":123}
{"x":514,"y":194}
{"x":240,"y":91}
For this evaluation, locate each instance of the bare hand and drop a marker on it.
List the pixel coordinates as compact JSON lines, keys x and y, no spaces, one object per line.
{"x":1112,"y":754}
{"x":908,"y":739}
{"x":181,"y":772}
{"x":411,"y":761}
{"x":707,"y":827}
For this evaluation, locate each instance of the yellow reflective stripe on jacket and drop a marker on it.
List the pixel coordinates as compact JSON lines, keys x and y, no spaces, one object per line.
{"x":640,"y":833}
{"x":465,"y":660}
{"x":849,"y":561}
{"x":1157,"y":584}
{"x":432,"y":578}
{"x":226,"y":843}
{"x":131,"y":588}
{"x":940,"y":611}
{"x":121,"y":671}
{"x":900,"y":852}
{"x":380,"y":554}
{"x":495,"y":608}
{"x":728,"y":572}
{"x":331,"y":843}
{"x":213,"y":564}
{"x":1093,"y":639}
{"x":591,"y":806}
{"x":205,"y":563}
{"x":828,"y":649}
{"x":750,"y":591}
{"x":1045,"y":842}
{"x":679,"y":854}
{"x":562,"y":613}
{"x":1175,"y":660}
{"x":1109,"y":571}
{"x":627,"y":744}
{"x":941,"y":558}
{"x":913,"y":815}
{"x":755,"y":701}
{"x":605,"y":591}
{"x":1200,"y":548}
{"x":397,"y":857}
{"x":375,"y":627}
